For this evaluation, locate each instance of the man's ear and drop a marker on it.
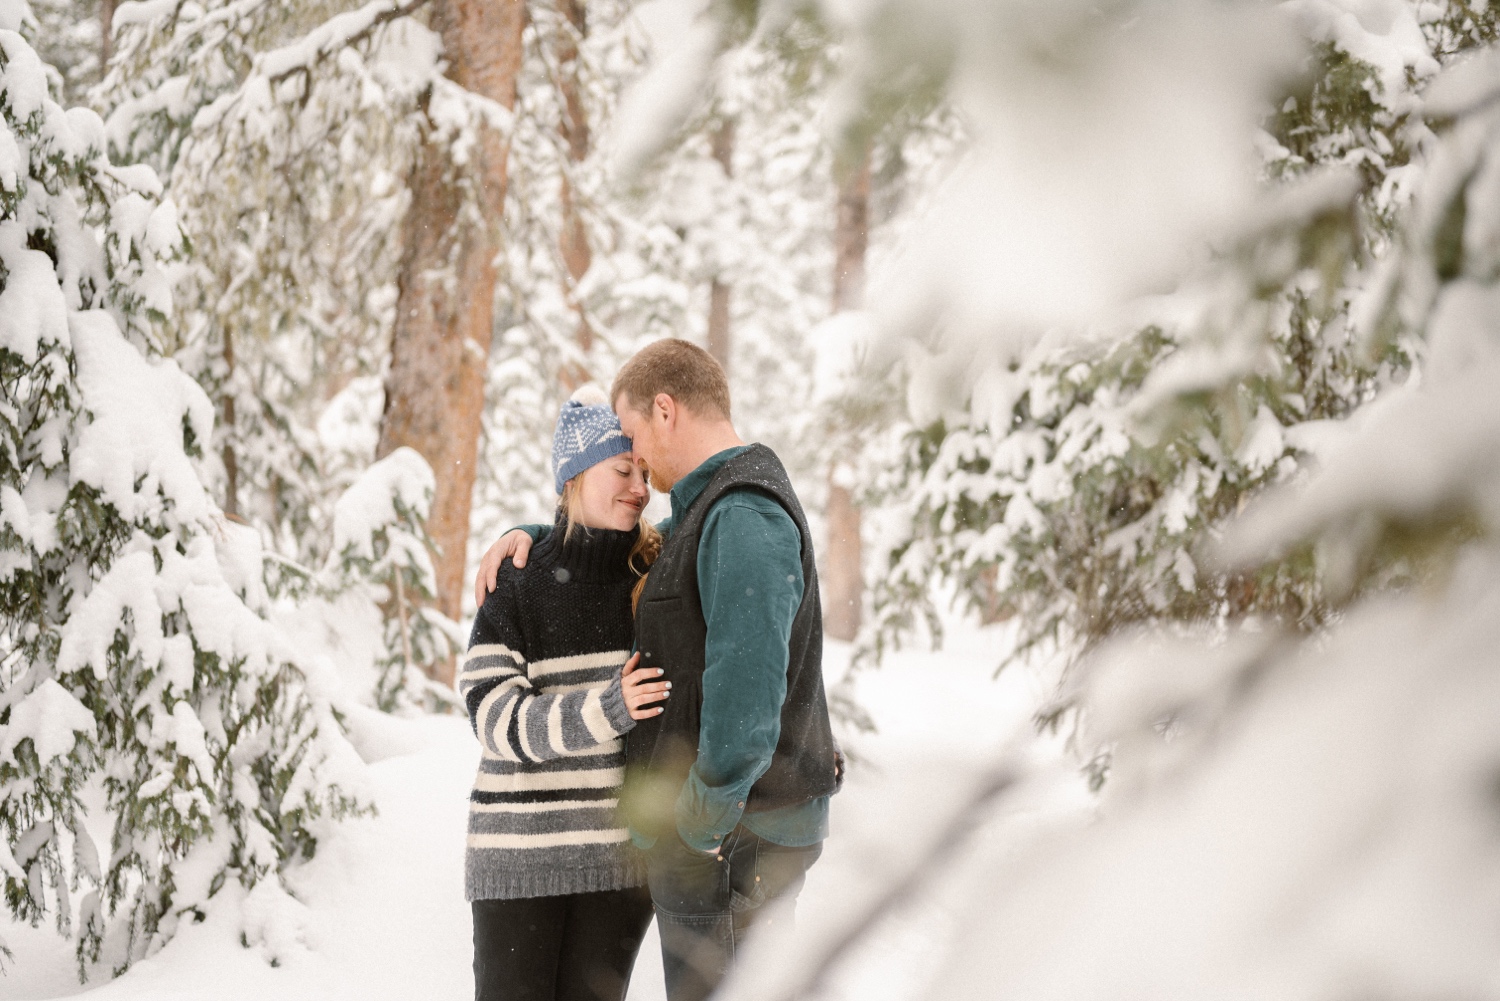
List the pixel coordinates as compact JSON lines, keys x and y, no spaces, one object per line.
{"x":664,"y":408}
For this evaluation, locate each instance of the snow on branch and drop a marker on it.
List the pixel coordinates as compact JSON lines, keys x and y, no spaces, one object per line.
{"x":338,"y":35}
{"x":339,"y":32}
{"x":810,"y":976}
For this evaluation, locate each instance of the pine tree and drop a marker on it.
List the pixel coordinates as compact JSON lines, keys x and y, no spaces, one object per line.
{"x":1083,"y":487}
{"x":290,"y":289}
{"x":381,"y":559}
{"x":161,"y":739}
{"x":288,"y":299}
{"x":1301,"y":801}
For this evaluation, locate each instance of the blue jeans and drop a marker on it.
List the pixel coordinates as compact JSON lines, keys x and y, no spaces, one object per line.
{"x":707,"y":904}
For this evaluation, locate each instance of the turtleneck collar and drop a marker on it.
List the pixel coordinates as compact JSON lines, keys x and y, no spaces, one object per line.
{"x":599,"y":555}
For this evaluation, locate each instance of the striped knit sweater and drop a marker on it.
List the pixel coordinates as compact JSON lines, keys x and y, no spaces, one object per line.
{"x":541,"y":683}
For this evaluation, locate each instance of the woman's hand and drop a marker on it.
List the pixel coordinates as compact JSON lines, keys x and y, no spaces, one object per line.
{"x":640,"y":687}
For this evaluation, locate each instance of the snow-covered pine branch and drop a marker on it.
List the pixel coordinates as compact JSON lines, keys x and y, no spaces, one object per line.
{"x":1289,"y":816}
{"x":339,"y":32}
{"x":381,"y":546}
{"x":1082,"y":483}
{"x":285,"y":305}
{"x":162,"y":739}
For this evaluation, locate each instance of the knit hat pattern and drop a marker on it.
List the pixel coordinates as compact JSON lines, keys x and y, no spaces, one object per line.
{"x":588,"y":432}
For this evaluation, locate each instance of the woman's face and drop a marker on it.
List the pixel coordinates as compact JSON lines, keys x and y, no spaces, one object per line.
{"x":612,"y":493}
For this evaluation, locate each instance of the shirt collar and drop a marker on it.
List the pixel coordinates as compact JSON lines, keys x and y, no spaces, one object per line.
{"x":687,"y":489}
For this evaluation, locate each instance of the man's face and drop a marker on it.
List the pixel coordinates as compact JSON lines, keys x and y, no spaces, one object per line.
{"x":645,"y":439}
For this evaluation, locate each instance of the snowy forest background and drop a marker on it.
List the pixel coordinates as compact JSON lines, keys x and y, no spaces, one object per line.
{"x":1155,"y":344}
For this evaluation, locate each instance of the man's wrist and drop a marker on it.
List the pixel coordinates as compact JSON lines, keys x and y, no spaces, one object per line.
{"x":704,"y":817}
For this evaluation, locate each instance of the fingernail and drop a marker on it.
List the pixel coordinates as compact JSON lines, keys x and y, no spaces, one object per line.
{"x":669,"y":684}
{"x":658,"y":708}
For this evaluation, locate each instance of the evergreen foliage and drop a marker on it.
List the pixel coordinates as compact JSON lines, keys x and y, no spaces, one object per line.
{"x":67,"y":36}
{"x":381,"y":561}
{"x":1280,"y":467}
{"x":1301,"y":758}
{"x":160,"y":737}
{"x":288,"y":294}
{"x":1084,"y":485}
{"x":286,"y":302}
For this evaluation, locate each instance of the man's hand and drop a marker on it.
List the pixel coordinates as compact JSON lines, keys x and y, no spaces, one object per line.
{"x":516,"y":544}
{"x":639,"y":689}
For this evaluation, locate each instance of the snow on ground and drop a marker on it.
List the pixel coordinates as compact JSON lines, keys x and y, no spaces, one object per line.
{"x":382,"y":915}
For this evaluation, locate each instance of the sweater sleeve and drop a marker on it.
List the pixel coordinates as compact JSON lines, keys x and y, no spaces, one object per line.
{"x":512,"y":719}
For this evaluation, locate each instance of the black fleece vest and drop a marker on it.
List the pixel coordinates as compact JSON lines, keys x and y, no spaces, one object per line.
{"x":670,"y":630}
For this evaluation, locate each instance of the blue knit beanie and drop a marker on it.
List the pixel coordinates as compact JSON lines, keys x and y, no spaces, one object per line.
{"x":588,"y":432}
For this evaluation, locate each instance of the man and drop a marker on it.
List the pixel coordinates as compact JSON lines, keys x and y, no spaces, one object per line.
{"x":727,"y":790}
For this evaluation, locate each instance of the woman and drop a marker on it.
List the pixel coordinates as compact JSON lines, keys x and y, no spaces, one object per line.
{"x":556,"y":887}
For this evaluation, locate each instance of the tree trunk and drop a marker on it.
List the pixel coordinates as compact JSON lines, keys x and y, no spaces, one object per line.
{"x":843,"y":560}
{"x":106,"y":34}
{"x":718,"y":321}
{"x":851,"y":237}
{"x":434,"y":392}
{"x":719,"y":290}
{"x":573,"y":243}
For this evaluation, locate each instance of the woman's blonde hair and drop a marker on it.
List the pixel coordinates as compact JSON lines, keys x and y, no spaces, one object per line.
{"x":644,"y":553}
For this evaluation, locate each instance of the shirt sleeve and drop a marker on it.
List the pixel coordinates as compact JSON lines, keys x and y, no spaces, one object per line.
{"x":510,"y":717}
{"x":750,"y":582}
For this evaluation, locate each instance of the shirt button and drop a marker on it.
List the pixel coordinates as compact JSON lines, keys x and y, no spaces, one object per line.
{"x":741,"y":804}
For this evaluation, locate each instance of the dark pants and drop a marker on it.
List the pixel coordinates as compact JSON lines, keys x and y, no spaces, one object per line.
{"x":576,"y":947}
{"x":707,"y":904}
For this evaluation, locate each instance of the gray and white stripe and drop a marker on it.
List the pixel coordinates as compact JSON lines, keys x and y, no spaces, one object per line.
{"x":543,"y":813}
{"x":558,"y":707}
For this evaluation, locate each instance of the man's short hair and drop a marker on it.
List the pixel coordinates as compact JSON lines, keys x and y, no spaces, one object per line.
{"x":683,"y":371}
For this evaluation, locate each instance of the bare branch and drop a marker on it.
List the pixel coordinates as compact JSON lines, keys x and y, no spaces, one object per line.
{"x":998,"y":780}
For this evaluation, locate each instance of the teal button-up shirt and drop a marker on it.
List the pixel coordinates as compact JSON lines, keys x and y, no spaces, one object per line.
{"x":750,"y":585}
